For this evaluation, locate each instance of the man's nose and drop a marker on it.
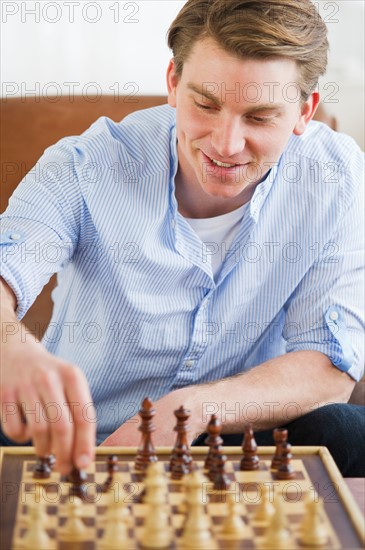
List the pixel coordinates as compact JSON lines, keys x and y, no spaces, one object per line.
{"x":228,"y":138}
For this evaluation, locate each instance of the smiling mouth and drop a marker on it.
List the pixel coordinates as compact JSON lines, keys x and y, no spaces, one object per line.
{"x":223,"y":164}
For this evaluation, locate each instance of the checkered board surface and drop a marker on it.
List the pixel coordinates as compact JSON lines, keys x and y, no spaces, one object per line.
{"x":245,"y":485}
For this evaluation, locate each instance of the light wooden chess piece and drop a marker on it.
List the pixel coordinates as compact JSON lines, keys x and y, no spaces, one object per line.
{"x":74,"y":529}
{"x":157,"y":531}
{"x":233,"y":525}
{"x":277,"y":534}
{"x":36,"y":535}
{"x":116,"y":522}
{"x":312,"y":530}
{"x":197,"y":530}
{"x":265,"y":509}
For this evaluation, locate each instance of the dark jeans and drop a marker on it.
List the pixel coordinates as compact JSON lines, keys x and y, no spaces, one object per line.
{"x":339,"y":427}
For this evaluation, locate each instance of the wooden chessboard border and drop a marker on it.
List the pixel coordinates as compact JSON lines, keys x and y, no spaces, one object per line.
{"x":342,"y":491}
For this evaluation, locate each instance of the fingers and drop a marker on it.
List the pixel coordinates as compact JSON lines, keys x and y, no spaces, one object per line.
{"x":53,"y":407}
{"x":83,"y":417}
{"x":12,"y":418}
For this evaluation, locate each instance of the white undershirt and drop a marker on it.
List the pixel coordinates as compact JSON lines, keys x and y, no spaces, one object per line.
{"x":217,"y":234}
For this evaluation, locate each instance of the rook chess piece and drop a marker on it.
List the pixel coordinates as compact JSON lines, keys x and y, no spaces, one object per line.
{"x":42,"y":468}
{"x":146,"y":452}
{"x":181,"y":462}
{"x":285,"y":470}
{"x":280,"y":437}
{"x":312,"y":530}
{"x":250,"y":460}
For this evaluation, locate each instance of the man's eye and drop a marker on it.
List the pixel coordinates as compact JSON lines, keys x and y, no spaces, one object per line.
{"x":203,"y":107}
{"x":260,"y":120}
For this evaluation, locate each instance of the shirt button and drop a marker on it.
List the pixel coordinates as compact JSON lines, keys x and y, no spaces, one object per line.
{"x":189,"y":364}
{"x":173,"y":224}
{"x":14,"y":236}
{"x":333,"y":315}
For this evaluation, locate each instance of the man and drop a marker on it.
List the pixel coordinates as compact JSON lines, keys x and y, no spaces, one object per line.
{"x":211,"y":252}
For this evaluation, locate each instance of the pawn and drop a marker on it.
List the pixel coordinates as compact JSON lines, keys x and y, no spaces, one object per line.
{"x":112,"y":468}
{"x":285,"y":470}
{"x":233,"y":525}
{"x":277,"y":534}
{"x":312,"y":530}
{"x":36,"y":536}
{"x":218,"y":475}
{"x":74,"y":529}
{"x":197,"y":529}
{"x":115,"y":524}
{"x":265,"y":510}
{"x":250,"y":460}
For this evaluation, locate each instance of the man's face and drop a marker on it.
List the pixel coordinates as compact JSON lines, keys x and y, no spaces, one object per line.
{"x":239,"y":113}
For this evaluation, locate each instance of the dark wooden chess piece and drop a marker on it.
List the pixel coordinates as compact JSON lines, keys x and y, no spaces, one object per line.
{"x":78,"y":487}
{"x":219,"y":476}
{"x":280,"y":437}
{"x":181,"y":462}
{"x":146,"y":452}
{"x":112,"y":467}
{"x":214,"y":440}
{"x":250,"y":460}
{"x":42,"y":469}
{"x":285,"y":470}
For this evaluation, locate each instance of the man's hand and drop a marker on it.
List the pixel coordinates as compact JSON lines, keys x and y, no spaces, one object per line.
{"x":44,"y":398}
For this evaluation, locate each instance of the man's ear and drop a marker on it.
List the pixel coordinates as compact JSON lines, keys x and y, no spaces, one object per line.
{"x":307,"y":112}
{"x":172,"y":81}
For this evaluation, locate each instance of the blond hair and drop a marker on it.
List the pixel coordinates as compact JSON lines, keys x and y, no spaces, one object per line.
{"x":260,"y":29}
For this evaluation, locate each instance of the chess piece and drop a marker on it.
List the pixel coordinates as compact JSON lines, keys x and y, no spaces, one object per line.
{"x":285,"y":470}
{"x":214,"y":440}
{"x":112,"y":467}
{"x":115,"y":523}
{"x":74,"y":529}
{"x":78,"y":488}
{"x":157,"y":531}
{"x":312,"y":530}
{"x":36,"y":535}
{"x":181,"y":462}
{"x":42,"y":468}
{"x":265,"y":509}
{"x":218,"y":473}
{"x":250,"y":460}
{"x":146,"y":451}
{"x":197,"y":529}
{"x":280,"y":437}
{"x":233,"y":525}
{"x":277,"y":534}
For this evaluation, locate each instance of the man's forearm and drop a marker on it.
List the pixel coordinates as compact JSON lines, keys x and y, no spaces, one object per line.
{"x":270,"y":394}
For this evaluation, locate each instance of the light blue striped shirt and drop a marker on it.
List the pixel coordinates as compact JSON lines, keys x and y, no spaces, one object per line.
{"x":137,"y":306}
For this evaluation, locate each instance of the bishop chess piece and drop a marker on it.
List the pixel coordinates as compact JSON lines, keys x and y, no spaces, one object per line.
{"x":146,"y":452}
{"x":250,"y":460}
{"x":214,"y":440}
{"x":181,"y":462}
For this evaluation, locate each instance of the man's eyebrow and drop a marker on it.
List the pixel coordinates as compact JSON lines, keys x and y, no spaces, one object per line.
{"x":204,"y":93}
{"x":271,"y":107}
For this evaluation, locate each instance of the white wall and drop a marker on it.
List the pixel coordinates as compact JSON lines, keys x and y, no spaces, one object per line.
{"x":92,"y":47}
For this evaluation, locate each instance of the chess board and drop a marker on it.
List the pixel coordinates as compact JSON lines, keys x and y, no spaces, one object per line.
{"x":315,"y":472}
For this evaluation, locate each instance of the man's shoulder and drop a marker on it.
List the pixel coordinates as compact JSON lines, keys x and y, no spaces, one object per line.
{"x":142,"y":137}
{"x":322,"y":145}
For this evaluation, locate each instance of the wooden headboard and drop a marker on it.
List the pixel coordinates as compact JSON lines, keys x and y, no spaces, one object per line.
{"x":29,"y":125}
